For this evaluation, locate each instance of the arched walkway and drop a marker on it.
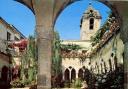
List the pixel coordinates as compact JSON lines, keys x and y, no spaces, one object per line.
{"x":80,"y":73}
{"x":4,"y":82}
{"x":67,"y":75}
{"x":45,"y":24}
{"x":73,"y":74}
{"x":4,"y":73}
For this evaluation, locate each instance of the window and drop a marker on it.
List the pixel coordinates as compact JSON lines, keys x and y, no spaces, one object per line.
{"x":91,"y":23}
{"x":91,"y":11}
{"x":8,"y":36}
{"x":16,"y":39}
{"x":21,"y":37}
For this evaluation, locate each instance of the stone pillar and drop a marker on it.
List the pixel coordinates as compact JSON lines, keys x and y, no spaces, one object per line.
{"x":126,"y":65}
{"x":63,"y":71}
{"x":44,"y":43}
{"x":44,"y":30}
{"x":77,"y":73}
{"x":124,"y":37}
{"x":70,"y":74}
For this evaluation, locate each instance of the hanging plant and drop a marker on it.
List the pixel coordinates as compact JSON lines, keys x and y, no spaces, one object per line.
{"x":69,"y":47}
{"x":105,"y":31}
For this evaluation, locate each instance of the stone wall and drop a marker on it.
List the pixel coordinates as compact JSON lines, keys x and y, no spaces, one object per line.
{"x":113,"y":48}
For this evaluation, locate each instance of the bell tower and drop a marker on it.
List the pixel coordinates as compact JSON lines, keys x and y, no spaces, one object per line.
{"x":90,"y":23}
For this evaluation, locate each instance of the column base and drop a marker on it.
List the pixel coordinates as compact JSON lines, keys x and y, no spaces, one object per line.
{"x":43,"y":87}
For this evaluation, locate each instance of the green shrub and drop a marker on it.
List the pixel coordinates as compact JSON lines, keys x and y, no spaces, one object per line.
{"x":77,"y":83}
{"x":17,"y":83}
{"x":67,"y":84}
{"x":26,"y":82}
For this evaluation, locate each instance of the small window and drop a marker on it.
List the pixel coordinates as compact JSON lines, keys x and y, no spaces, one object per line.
{"x":21,"y":37}
{"x":91,"y":11}
{"x":16,"y":39}
{"x":91,"y":27}
{"x":91,"y":23}
{"x":8,"y":36}
{"x":112,"y":54}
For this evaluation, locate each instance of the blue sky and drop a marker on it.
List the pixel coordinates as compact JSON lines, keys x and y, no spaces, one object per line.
{"x":18,"y":15}
{"x":67,"y":24}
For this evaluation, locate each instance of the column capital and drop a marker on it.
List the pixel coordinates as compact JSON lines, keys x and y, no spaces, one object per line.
{"x":124,"y":31}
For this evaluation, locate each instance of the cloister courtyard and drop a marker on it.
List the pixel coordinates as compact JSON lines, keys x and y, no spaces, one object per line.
{"x":48,"y":59}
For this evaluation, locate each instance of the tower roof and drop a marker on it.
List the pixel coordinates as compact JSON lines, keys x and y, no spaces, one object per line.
{"x":91,"y":12}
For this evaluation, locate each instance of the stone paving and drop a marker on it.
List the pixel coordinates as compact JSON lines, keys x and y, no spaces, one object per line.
{"x":52,"y":88}
{"x":66,"y":88}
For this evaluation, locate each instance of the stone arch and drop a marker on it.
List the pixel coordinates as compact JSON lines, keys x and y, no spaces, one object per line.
{"x":115,"y":62}
{"x":110,"y":64}
{"x":67,"y":75}
{"x":96,"y":67}
{"x":118,"y":8}
{"x":105,"y":68}
{"x":80,"y":73}
{"x":4,"y":73}
{"x":73,"y":74}
{"x":86,"y":75}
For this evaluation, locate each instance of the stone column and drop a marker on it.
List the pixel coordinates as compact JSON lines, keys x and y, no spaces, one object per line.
{"x":44,"y":30}
{"x":126,"y":65}
{"x":44,"y":41}
{"x":77,"y":73}
{"x":124,"y":37}
{"x":63,"y":71}
{"x":70,"y":74}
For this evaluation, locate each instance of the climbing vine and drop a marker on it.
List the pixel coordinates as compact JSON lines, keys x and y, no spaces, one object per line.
{"x":56,"y":58}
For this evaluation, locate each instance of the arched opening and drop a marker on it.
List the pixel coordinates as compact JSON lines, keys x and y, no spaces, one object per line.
{"x":110,"y":64}
{"x":67,"y":75}
{"x":80,"y":74}
{"x":105,"y":68}
{"x":4,"y":74}
{"x":73,"y":74}
{"x":91,"y":23}
{"x":73,"y":15}
{"x":87,"y":75}
{"x":101,"y":68}
{"x":115,"y":62}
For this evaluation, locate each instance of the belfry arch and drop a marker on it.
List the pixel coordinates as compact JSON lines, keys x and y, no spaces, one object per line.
{"x":46,"y":13}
